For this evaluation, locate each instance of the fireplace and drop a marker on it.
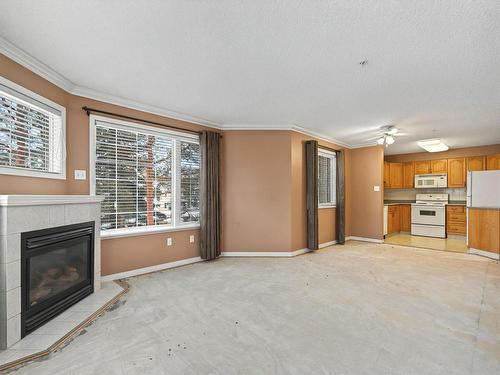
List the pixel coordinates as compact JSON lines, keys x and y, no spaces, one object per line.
{"x":57,"y":270}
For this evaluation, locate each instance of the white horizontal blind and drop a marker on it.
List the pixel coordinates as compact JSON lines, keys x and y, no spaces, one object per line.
{"x":190,"y":182}
{"x":326,"y":179}
{"x":134,"y":171}
{"x":31,"y":136}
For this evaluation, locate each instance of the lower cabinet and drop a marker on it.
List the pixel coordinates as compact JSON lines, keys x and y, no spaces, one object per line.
{"x":484,"y":229}
{"x":456,"y":220}
{"x":399,"y":218}
{"x":405,"y":217}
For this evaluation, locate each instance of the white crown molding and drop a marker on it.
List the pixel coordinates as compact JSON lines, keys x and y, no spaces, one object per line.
{"x":128,"y":103}
{"x":36,"y":66}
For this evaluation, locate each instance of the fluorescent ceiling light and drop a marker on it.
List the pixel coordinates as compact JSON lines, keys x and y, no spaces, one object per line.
{"x":433,"y":145}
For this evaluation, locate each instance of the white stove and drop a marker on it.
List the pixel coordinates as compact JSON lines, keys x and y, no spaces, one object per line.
{"x":428,"y":215}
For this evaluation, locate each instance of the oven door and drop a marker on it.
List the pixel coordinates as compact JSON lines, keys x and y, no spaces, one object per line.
{"x":429,"y":215}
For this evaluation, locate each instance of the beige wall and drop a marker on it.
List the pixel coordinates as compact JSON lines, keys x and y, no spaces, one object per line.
{"x":454,"y":153}
{"x":263,"y":186}
{"x":366,"y":205}
{"x":121,"y":254}
{"x":256,"y":210}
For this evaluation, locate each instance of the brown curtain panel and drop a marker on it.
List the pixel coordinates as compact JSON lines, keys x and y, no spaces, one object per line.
{"x":312,"y":194}
{"x":340,"y":201}
{"x":210,"y":195}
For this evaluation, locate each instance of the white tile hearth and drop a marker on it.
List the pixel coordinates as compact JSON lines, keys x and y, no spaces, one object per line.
{"x":49,"y":334}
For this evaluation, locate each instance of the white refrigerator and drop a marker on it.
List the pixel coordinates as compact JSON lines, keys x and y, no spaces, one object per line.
{"x":483,"y":189}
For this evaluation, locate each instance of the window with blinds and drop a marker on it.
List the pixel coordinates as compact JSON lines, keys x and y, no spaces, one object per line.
{"x":148,"y":177}
{"x":326,"y":178}
{"x":31,"y":133}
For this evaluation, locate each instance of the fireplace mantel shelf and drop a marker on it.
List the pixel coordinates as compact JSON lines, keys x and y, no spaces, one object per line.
{"x":40,"y":200}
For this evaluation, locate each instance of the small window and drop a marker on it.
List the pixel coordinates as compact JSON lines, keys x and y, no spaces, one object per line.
{"x":326,"y":179}
{"x":32,"y":141}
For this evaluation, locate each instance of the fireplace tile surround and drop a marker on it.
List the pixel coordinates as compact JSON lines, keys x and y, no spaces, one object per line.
{"x":23,"y":213}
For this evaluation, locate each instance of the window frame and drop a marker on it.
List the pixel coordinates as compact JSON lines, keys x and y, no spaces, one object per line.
{"x":26,"y":172}
{"x":176,"y":136}
{"x":333,"y":183}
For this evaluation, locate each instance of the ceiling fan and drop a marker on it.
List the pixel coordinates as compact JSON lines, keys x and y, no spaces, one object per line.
{"x":389,"y":134}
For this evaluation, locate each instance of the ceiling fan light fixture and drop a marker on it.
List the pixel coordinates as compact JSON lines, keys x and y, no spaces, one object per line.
{"x":381,"y":140}
{"x":389,"y":139}
{"x":433,"y":145}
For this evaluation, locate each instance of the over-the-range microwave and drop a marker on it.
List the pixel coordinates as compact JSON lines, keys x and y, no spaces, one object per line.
{"x":431,"y":181}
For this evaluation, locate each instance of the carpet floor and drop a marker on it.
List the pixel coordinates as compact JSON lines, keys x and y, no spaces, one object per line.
{"x":357,"y":309}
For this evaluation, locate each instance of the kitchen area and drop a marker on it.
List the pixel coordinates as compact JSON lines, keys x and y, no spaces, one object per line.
{"x":447,"y":201}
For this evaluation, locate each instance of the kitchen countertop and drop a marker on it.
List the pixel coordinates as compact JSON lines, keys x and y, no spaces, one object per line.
{"x":394,"y":202}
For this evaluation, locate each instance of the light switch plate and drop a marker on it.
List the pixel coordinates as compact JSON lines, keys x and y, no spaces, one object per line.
{"x":191,"y":238}
{"x":376,"y":188}
{"x":80,"y":174}
{"x":169,"y":241}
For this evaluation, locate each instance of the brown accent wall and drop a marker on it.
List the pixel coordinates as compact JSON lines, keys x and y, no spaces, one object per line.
{"x":256,"y":210}
{"x":366,"y":205}
{"x":454,"y":153}
{"x":129,"y":253}
{"x":326,"y":225}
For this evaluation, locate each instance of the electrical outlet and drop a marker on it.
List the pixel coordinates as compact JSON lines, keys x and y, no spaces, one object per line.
{"x":191,"y":238}
{"x":376,"y":188}
{"x":169,"y":241}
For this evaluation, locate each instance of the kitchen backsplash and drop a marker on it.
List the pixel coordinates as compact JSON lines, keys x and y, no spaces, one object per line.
{"x":409,"y":194}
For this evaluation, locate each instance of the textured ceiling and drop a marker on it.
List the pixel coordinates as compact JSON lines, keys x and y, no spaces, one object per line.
{"x":433,"y":66}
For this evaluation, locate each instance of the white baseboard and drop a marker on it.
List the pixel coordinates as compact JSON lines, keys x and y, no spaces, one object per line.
{"x":279,"y":254}
{"x":483,"y":253}
{"x":157,"y":267}
{"x":326,"y":244}
{"x":364,"y":239}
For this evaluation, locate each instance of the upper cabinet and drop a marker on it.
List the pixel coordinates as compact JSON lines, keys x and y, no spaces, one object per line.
{"x":408,"y":175}
{"x":396,"y":175}
{"x":476,"y":163}
{"x":493,"y":162}
{"x":387,"y":175}
{"x":439,"y":166}
{"x":423,"y":167}
{"x":456,"y":172}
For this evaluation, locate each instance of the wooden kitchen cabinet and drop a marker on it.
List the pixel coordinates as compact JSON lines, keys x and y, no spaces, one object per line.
{"x":405,"y":217}
{"x":493,"y":162}
{"x":455,"y":220}
{"x":484,"y":229}
{"x":396,"y":175}
{"x":422,"y":167}
{"x":456,"y":172}
{"x":439,"y":166}
{"x":393,"y":220}
{"x":408,"y":175}
{"x":387,"y":175}
{"x":476,"y":163}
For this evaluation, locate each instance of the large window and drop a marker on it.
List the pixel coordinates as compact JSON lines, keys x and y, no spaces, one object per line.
{"x":31,"y":133}
{"x":326,"y":178}
{"x":148,"y":176}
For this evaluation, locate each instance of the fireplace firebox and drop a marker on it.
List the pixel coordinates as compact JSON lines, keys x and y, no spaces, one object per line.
{"x":57,"y":271}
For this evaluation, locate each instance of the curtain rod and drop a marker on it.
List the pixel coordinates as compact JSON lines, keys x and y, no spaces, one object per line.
{"x":327,"y":148}
{"x":90,"y":110}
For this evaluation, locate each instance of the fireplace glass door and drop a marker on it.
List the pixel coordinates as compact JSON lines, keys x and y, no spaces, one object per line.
{"x":57,"y":271}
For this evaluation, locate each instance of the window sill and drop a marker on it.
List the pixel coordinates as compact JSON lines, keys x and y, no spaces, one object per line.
{"x":327,"y":206}
{"x":131,"y":232}
{"x":32,"y":173}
